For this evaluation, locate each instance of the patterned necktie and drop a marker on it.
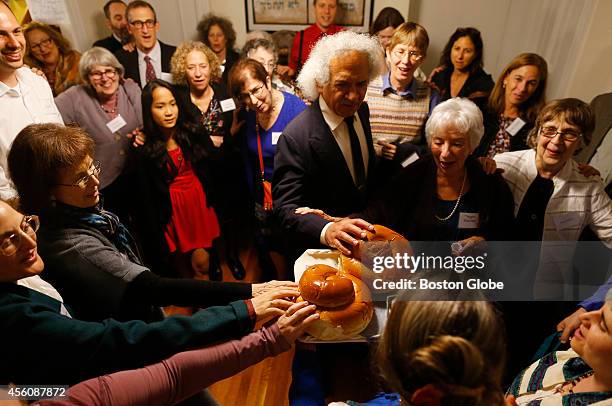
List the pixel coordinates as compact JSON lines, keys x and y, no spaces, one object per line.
{"x":150,"y":73}
{"x":358,"y":166}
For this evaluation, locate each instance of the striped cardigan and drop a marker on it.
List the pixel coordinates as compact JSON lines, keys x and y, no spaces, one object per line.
{"x":577,"y":202}
{"x":537,"y":383}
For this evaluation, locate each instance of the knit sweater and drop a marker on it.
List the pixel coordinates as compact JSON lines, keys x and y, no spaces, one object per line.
{"x":396,"y":117}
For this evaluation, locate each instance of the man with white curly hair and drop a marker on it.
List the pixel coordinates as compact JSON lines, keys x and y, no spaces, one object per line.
{"x":325,"y":158}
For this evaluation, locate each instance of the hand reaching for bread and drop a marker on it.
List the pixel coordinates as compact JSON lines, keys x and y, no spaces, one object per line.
{"x":345,"y":234}
{"x":294,"y":322}
{"x":273,"y":303}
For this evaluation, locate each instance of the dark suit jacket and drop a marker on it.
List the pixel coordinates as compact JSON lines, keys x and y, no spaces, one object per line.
{"x":109,"y":43}
{"x":129,"y":60}
{"x":310,"y":170}
{"x":602,"y":107}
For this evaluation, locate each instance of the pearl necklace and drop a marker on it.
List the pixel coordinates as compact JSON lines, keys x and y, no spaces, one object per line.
{"x":452,"y":213}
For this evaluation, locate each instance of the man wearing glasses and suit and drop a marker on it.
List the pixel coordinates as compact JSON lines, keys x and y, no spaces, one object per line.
{"x":151,"y":59}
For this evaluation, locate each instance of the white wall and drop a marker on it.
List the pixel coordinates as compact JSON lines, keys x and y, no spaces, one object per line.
{"x":594,"y":73}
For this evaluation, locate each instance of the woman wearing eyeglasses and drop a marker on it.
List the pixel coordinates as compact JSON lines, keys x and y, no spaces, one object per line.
{"x":268,"y":112}
{"x":553,"y":203}
{"x":400,"y":103}
{"x":108,"y":108}
{"x":52,"y":53}
{"x":44,"y":340}
{"x":546,"y":181}
{"x":90,"y":255}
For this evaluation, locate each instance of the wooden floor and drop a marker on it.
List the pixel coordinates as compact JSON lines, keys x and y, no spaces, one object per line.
{"x":266,"y":383}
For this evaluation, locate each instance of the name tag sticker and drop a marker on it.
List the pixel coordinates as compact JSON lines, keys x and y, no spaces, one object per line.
{"x":275,"y":136}
{"x":515,"y":126}
{"x":469,"y":220}
{"x":412,"y":158}
{"x":228,"y":105}
{"x":116,"y":124}
{"x":167,"y":77}
{"x":564,"y":221}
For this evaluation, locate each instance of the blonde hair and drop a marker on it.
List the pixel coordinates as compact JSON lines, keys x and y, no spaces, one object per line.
{"x":179,"y":61}
{"x":410,"y":33}
{"x":456,"y":346}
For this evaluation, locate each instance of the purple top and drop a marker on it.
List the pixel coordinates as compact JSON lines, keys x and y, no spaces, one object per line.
{"x":177,"y":377}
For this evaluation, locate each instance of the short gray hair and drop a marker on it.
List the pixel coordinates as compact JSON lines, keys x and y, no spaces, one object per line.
{"x":253,"y":44}
{"x":316,"y":69}
{"x":98,"y":56}
{"x":459,"y":114}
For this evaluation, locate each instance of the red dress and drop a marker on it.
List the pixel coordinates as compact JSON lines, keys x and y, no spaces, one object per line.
{"x":192,"y":223}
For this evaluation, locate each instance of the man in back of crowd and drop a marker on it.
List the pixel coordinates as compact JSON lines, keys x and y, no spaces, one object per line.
{"x":114,"y":11}
{"x":151,"y":59}
{"x":25,"y":98}
{"x":305,"y":40}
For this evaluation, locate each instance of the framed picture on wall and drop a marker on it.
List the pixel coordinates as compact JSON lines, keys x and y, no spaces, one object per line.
{"x":274,"y":15}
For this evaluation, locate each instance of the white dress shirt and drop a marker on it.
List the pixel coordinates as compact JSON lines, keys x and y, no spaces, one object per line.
{"x":602,"y":160}
{"x":30,"y":102}
{"x":155,"y":56}
{"x":339,"y":128}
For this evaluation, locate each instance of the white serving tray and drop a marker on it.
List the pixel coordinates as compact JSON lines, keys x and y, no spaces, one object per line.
{"x":332,"y":258}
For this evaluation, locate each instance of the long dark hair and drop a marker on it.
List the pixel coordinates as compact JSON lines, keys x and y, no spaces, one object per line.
{"x":186,"y":135}
{"x":474,"y":35}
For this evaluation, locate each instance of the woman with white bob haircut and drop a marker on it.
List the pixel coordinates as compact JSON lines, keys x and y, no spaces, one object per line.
{"x":316,"y":71}
{"x":446,"y":195}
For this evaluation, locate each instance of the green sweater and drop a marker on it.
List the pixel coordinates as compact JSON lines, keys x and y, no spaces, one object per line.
{"x":38,"y":345}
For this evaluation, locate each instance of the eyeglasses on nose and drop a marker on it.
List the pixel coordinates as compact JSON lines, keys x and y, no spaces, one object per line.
{"x":414,"y":56}
{"x":11,"y":243}
{"x":138,"y":24}
{"x":44,"y":43}
{"x":109,"y":73}
{"x":256,"y":92}
{"x":551,"y":132}
{"x":82,"y":182}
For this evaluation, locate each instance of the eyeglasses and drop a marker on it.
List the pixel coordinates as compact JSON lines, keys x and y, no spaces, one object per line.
{"x":551,"y":132}
{"x":412,"y":55}
{"x":109,"y":73}
{"x":11,"y":243}
{"x":82,"y":182}
{"x":44,"y":43}
{"x":257,"y":92}
{"x":138,"y":24}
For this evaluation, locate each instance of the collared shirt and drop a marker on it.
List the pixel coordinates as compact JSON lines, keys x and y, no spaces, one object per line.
{"x":30,"y":102}
{"x":602,"y":159}
{"x":410,"y":91}
{"x":155,"y":56}
{"x":311,"y":35}
{"x":339,"y":128}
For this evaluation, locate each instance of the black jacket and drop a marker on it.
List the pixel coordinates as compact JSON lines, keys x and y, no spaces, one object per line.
{"x":491,"y":126}
{"x":129,"y":60}
{"x":407,"y":204}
